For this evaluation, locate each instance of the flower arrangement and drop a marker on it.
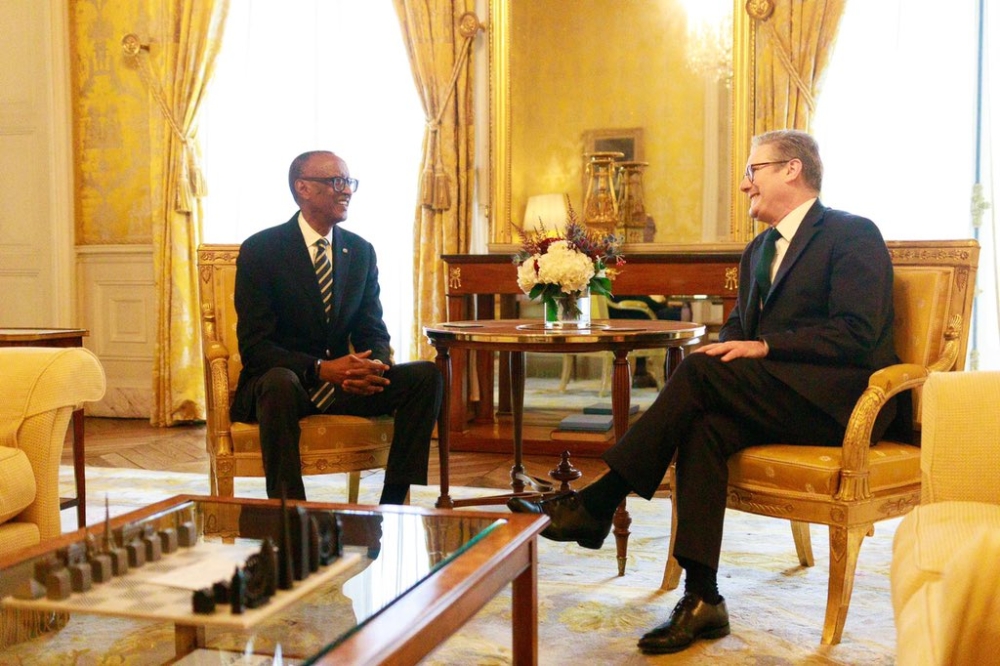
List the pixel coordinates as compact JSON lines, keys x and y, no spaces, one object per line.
{"x":556,"y":268}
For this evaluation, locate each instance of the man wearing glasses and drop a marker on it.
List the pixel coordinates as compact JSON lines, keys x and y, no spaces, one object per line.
{"x":312,"y":339}
{"x":813,"y":320}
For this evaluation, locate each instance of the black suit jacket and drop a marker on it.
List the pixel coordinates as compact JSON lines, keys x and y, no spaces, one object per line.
{"x":828,"y":319}
{"x":280,"y":317}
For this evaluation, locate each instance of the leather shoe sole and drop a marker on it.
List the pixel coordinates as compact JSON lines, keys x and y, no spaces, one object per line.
{"x":690,"y":620}
{"x":570,"y":520}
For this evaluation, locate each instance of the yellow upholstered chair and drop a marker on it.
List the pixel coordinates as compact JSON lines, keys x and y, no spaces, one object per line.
{"x":328,"y":444}
{"x":851,"y":488}
{"x":946,"y":552}
{"x":41,"y":388}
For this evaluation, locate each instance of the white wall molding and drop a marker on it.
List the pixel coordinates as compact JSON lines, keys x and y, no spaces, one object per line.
{"x":116,"y":291}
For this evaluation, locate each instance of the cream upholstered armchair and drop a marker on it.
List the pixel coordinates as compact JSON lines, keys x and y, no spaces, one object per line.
{"x":946,"y":552}
{"x":851,"y":488}
{"x":40,"y":389}
{"x":328,"y":444}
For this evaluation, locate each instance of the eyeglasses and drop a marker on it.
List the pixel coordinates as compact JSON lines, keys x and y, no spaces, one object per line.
{"x":752,"y":168}
{"x":336,"y":182}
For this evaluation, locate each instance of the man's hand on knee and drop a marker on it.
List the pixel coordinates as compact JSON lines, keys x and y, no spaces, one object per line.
{"x":735,"y":349}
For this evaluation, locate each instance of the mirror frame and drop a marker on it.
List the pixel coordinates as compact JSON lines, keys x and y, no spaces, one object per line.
{"x":741,"y":227}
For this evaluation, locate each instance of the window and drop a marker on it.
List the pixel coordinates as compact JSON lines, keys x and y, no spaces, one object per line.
{"x":896,"y":124}
{"x":299,"y":75}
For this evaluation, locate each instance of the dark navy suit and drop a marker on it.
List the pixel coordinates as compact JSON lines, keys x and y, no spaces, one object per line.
{"x":283,"y":329}
{"x":828,"y":323}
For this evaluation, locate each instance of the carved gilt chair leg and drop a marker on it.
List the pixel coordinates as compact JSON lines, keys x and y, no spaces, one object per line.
{"x":803,"y":543}
{"x":672,"y":571}
{"x":224,"y":479}
{"x":845,"y":544}
{"x":353,"y":487}
{"x":213,"y":477}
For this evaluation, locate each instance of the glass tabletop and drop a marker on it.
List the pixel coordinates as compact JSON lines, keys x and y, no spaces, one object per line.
{"x":384,"y":553}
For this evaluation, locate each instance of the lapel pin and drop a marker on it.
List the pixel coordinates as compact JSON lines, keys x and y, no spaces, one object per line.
{"x":344,"y":250}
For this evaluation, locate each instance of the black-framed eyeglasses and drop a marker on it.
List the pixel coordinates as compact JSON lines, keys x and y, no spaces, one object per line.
{"x":336,"y":182}
{"x":752,"y":168}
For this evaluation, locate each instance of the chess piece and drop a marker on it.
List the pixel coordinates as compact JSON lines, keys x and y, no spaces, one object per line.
{"x":57,"y":584}
{"x":136,"y":550}
{"x":168,"y":540}
{"x":100,"y":563}
{"x":237,"y":592}
{"x":203,"y":602}
{"x":187,"y":535}
{"x":220,"y":591}
{"x":152,"y":544}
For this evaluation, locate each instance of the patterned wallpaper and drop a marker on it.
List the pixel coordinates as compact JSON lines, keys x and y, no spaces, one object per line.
{"x":578,"y":78}
{"x":116,"y":126}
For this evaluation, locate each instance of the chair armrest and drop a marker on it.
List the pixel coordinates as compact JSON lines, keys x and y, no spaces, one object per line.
{"x":882,"y":386}
{"x":217,"y":392}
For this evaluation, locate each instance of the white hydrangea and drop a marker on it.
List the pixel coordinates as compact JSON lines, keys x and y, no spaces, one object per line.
{"x":565,"y":266}
{"x":527,"y":277}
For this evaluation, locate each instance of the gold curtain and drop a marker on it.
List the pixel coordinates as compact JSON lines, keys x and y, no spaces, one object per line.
{"x":192,"y":32}
{"x":793,"y":49}
{"x":440,"y":61}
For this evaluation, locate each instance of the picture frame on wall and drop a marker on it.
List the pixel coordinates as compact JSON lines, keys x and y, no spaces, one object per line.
{"x":624,"y":140}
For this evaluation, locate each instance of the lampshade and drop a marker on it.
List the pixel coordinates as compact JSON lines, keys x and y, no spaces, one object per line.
{"x":551,"y":209}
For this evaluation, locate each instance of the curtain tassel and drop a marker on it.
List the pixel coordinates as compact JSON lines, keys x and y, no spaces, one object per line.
{"x":442,"y":189}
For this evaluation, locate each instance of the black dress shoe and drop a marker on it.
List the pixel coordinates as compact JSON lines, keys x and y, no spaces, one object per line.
{"x":690,"y":620}
{"x":570,"y":519}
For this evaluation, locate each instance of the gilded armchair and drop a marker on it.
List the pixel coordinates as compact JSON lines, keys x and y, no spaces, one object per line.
{"x":851,"y":489}
{"x":328,"y":443}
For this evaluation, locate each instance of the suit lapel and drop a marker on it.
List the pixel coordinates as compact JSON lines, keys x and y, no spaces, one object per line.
{"x":804,"y":235}
{"x":300,"y":262}
{"x":341,"y":268}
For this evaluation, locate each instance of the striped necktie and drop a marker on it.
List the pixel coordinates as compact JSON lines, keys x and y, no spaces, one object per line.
{"x":763,"y":269}
{"x":324,"y":393}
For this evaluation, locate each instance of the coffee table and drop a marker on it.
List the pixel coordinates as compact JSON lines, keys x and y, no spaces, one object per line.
{"x":408,"y":579}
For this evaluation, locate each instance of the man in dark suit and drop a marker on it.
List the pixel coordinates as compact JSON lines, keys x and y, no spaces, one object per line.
{"x":812,"y":321}
{"x":309,"y":346}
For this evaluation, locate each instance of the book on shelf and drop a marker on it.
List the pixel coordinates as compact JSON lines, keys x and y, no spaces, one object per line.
{"x":605,"y":408}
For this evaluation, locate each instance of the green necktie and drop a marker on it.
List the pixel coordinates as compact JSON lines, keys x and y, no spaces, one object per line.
{"x":763,"y":270}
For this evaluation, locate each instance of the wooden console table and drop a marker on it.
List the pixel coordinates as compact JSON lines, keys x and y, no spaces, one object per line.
{"x":59,"y":337}
{"x":484,"y":286}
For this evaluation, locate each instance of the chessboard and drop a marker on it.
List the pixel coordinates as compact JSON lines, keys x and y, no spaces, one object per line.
{"x":162,"y":590}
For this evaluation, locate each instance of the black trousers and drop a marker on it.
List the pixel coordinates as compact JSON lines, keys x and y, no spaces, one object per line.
{"x":708,"y":410}
{"x":413,"y":397}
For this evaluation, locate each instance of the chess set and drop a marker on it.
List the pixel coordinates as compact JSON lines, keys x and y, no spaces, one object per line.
{"x":170,"y":573}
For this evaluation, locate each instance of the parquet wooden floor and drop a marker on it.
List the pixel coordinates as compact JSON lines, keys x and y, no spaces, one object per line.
{"x":134,"y":443}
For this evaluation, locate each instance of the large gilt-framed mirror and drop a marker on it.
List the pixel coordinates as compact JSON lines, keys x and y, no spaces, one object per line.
{"x":570,"y":77}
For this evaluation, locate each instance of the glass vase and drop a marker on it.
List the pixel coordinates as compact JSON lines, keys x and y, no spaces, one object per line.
{"x":569,"y":311}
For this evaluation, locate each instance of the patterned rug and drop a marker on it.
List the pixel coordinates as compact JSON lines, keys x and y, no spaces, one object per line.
{"x":585,"y":610}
